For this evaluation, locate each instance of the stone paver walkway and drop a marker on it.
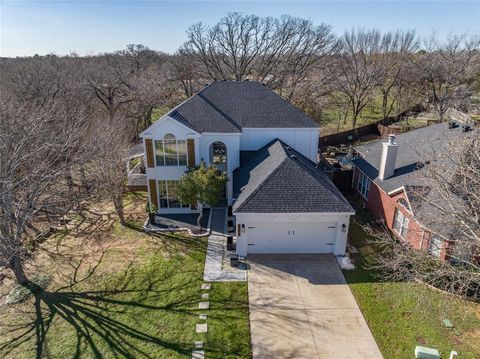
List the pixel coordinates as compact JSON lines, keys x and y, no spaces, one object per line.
{"x":216,"y":250}
{"x":201,"y":328}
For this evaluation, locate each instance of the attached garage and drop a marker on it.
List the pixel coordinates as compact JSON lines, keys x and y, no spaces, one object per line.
{"x":283,"y":203}
{"x":288,"y":233}
{"x":291,"y":237}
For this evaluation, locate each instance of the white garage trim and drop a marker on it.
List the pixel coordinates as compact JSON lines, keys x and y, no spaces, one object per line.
{"x":292,"y":233}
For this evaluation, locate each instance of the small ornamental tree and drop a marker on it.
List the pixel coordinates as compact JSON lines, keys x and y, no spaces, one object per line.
{"x":202,"y":184}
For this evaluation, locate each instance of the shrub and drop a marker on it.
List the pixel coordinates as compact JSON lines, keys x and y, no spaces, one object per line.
{"x":21,"y":293}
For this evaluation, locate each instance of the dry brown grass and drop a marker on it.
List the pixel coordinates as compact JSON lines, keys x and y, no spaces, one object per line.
{"x":92,"y":242}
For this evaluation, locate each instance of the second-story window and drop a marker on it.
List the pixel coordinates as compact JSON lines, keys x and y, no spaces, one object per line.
{"x":170,"y":151}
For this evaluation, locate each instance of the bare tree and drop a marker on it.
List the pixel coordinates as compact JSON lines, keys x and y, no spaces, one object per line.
{"x":141,"y":56}
{"x":148,"y":91}
{"x":40,"y":147}
{"x":183,"y":72}
{"x":108,"y":78}
{"x":446,"y":201}
{"x":110,"y":145}
{"x":445,"y":68}
{"x":366,"y":59}
{"x":280,"y":52}
{"x":395,"y":58}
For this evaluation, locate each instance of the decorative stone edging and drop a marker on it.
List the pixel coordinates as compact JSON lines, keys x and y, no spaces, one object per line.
{"x":151,"y":230}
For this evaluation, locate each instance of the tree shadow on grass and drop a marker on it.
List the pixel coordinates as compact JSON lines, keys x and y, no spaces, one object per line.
{"x":92,"y":315}
{"x":104,"y":320}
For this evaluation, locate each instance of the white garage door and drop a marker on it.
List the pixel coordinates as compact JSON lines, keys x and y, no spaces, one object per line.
{"x":291,"y":237}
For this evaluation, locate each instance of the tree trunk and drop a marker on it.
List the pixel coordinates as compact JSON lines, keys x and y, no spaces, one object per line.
{"x":118,"y":203}
{"x":199,"y":219}
{"x":354,"y":120}
{"x":385,"y":105}
{"x":17,"y":267}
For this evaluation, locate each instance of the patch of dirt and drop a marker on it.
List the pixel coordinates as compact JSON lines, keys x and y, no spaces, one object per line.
{"x":94,"y":243}
{"x":421,"y":340}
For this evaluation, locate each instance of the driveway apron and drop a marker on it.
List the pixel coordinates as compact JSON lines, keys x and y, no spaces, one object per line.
{"x":301,"y":307}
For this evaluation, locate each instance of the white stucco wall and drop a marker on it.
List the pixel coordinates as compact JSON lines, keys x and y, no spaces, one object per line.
{"x":157,"y":132}
{"x":304,"y":140}
{"x":311,"y":219}
{"x":232,"y":142}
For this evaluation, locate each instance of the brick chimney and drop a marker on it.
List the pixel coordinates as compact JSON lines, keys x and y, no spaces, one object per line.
{"x":389,"y":157}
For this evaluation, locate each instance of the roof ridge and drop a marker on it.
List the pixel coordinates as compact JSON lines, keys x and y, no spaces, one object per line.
{"x":316,"y":173}
{"x":261,"y":185}
{"x":223,"y":114}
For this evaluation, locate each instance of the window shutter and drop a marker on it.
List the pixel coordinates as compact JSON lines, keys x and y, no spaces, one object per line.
{"x":149,"y":152}
{"x":191,"y":152}
{"x":153,"y":192}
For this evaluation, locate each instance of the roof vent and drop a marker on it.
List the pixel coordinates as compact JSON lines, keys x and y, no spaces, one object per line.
{"x":293,"y":156}
{"x":465,"y":128}
{"x":452,"y":125}
{"x":288,"y":148}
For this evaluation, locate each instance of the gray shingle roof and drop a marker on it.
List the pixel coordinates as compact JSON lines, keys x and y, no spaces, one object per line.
{"x":414,"y":147}
{"x":229,"y":106}
{"x":273,"y":181}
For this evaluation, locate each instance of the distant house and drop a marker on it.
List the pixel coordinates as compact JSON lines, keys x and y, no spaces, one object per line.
{"x":388,"y":178}
{"x":282,"y":202}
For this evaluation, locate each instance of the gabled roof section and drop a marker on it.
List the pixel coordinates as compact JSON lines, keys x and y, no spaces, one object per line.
{"x":278,"y":179}
{"x":198,"y":114}
{"x":229,"y":106}
{"x":414,"y":148}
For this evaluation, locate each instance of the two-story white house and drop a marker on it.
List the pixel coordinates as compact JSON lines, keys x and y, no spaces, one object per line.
{"x":281,"y":201}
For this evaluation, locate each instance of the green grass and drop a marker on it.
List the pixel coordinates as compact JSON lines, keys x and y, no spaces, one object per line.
{"x":403,"y":315}
{"x":330,"y":118}
{"x":148,"y":309}
{"x":159,"y":112}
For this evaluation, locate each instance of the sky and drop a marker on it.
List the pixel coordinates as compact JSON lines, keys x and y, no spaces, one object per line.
{"x":92,"y":27}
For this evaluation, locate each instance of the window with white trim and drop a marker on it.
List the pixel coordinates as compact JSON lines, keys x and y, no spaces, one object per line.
{"x":167,"y":193}
{"x":400,"y":223}
{"x":363,"y":184}
{"x":403,"y":202}
{"x":170,"y":151}
{"x":435,"y":246}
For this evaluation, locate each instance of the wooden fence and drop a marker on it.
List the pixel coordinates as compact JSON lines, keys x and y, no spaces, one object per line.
{"x":370,"y":129}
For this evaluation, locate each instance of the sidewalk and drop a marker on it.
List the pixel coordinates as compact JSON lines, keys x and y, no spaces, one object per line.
{"x":215,"y":271}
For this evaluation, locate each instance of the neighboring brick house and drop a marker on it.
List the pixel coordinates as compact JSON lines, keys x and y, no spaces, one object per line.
{"x":387,"y":178}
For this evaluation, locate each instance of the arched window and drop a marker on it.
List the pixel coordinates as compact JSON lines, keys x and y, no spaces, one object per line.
{"x":170,"y":151}
{"x":218,"y":153}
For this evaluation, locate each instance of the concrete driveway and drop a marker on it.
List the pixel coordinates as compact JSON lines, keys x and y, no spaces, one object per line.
{"x":301,"y":307}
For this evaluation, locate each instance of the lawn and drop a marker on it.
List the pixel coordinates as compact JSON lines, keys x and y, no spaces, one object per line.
{"x":124,"y":294}
{"x":403,"y":315}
